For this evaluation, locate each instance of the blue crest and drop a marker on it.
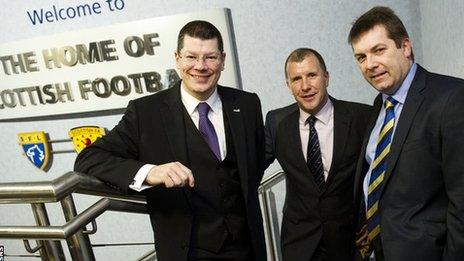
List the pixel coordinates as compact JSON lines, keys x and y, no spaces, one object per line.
{"x":35,"y":146}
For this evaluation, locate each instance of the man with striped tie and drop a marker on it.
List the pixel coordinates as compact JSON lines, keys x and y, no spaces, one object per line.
{"x":410,"y":179}
{"x":317,"y":144}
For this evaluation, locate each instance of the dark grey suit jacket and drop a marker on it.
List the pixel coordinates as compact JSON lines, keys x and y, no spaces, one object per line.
{"x":422,"y":197}
{"x":311,"y":215}
{"x":152,"y":131}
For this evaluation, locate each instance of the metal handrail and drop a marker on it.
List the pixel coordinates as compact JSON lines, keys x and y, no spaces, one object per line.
{"x":271,"y":180}
{"x":268,"y":206}
{"x":74,"y":225}
{"x":59,"y":188}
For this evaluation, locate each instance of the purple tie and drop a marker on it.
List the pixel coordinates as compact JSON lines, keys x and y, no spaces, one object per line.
{"x":207,"y":129}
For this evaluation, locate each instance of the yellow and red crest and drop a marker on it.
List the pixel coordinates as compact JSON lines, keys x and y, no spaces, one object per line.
{"x":83,"y":136}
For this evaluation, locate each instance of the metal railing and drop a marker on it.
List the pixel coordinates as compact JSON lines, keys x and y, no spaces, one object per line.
{"x":74,"y":230}
{"x":60,"y":190}
{"x":270,"y":215}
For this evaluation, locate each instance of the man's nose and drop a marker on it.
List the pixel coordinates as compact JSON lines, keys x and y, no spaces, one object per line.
{"x":200,"y":64}
{"x":306,"y":84}
{"x":371,"y":62}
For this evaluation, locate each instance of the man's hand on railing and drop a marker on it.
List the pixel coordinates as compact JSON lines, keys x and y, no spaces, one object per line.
{"x":172,"y":174}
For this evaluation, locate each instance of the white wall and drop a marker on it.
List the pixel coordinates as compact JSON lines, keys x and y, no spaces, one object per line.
{"x":442,"y":29}
{"x":265,"y":31}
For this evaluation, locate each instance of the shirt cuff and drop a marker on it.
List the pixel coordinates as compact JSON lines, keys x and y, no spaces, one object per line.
{"x":139,"y":178}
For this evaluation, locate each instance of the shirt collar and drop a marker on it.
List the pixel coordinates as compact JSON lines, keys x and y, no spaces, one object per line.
{"x":191,"y":103}
{"x":402,"y":92}
{"x":323,"y":115}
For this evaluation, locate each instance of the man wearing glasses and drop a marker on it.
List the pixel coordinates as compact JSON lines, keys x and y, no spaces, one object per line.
{"x":197,"y":152}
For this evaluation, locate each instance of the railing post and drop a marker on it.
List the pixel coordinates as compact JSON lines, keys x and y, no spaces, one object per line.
{"x":52,"y":249}
{"x":270,"y":216}
{"x":79,"y":243}
{"x":266,"y":223}
{"x":274,"y":226}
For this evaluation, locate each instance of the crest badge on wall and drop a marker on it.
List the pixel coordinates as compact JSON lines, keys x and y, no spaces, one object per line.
{"x":83,"y":136}
{"x":35,"y":146}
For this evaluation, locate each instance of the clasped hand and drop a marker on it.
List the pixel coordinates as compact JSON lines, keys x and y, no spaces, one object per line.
{"x":171,"y":175}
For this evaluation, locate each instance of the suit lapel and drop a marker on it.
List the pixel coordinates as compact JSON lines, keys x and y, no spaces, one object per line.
{"x":173,"y":121}
{"x":411,"y":105}
{"x":294,"y":154}
{"x":237,"y":129}
{"x":294,"y":139}
{"x":360,"y":167}
{"x":342,"y":120}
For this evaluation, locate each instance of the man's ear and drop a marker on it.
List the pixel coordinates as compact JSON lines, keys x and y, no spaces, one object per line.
{"x":327,"y":78}
{"x":223,"y":57}
{"x":406,"y":45}
{"x":287,"y":82}
{"x":178,"y":60}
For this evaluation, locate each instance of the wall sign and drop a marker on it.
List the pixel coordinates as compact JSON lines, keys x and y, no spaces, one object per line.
{"x":100,"y":68}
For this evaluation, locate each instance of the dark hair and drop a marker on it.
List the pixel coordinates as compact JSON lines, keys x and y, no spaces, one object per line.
{"x":379,"y":15}
{"x":202,"y":30}
{"x":298,"y":55}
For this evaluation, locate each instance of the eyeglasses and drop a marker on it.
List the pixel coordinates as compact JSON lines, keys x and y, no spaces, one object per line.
{"x":210,"y":60}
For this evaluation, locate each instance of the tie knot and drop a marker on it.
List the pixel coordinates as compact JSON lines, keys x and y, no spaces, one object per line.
{"x":311,"y":120}
{"x":203,"y":109}
{"x":390,"y":102}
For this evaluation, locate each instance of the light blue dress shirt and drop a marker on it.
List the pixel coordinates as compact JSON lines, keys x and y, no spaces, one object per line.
{"x":400,"y":96}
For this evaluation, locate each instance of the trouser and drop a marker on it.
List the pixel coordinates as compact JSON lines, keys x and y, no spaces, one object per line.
{"x":232,"y":249}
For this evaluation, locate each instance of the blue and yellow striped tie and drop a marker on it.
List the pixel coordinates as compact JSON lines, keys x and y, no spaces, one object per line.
{"x":379,"y":166}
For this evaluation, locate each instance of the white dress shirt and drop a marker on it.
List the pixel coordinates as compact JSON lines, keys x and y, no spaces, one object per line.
{"x":190,"y":103}
{"x":324,"y":125}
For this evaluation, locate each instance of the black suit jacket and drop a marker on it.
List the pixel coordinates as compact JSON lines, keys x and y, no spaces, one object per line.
{"x":422,"y":197}
{"x":311,"y":215}
{"x":273,"y":119}
{"x":152,"y":131}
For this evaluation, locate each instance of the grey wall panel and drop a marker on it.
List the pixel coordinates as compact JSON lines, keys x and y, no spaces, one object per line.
{"x":442,"y":29}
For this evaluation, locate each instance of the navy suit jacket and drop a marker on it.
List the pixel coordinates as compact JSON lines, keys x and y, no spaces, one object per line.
{"x":422,"y":198}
